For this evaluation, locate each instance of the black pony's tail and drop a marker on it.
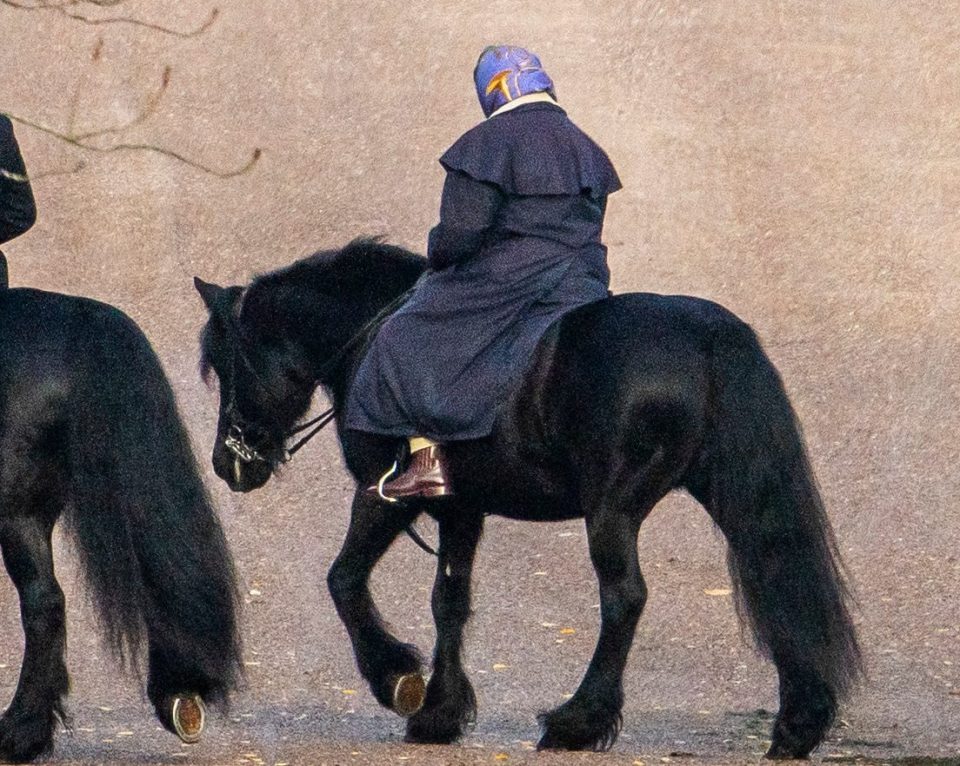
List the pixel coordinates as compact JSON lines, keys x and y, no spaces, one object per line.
{"x":761,"y":492}
{"x":151,"y":547}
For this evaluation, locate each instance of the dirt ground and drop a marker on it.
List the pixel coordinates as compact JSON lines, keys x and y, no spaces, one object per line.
{"x":795,"y":161}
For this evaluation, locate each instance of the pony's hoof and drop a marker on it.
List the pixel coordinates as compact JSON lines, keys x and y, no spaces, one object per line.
{"x":188,"y":715}
{"x":409,"y":693}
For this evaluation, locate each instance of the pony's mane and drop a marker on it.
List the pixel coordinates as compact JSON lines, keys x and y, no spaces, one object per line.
{"x":364,"y":260}
{"x":367,"y":271}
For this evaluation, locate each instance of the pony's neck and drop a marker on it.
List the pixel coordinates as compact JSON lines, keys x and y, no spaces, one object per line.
{"x":354,"y":286}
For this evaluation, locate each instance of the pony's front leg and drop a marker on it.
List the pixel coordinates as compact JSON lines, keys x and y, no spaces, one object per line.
{"x":26,"y":728}
{"x":450,"y":703}
{"x":393,"y":669}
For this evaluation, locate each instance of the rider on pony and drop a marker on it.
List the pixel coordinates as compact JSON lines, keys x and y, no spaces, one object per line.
{"x":17,"y":210}
{"x":517,"y":246}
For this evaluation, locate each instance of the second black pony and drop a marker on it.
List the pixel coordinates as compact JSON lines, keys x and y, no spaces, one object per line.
{"x":89,"y":429}
{"x":626,"y":399}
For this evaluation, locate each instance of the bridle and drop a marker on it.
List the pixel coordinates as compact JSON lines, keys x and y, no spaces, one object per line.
{"x":235,"y":441}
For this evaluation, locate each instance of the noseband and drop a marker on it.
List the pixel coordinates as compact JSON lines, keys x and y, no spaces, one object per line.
{"x":235,"y":441}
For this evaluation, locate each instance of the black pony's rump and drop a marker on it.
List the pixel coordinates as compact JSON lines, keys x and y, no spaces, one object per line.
{"x":90,"y":429}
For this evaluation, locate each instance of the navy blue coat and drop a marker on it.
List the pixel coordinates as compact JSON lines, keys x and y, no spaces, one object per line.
{"x":517,"y":246}
{"x":17,"y":210}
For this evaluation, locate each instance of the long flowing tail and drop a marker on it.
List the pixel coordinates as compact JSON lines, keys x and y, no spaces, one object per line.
{"x":761,"y":492}
{"x":151,"y":547}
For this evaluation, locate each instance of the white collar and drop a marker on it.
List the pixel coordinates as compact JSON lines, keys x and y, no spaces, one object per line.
{"x":530,"y":98}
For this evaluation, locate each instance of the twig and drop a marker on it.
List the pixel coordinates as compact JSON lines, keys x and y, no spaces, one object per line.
{"x":63,"y":9}
{"x":62,"y":172}
{"x":79,"y":143}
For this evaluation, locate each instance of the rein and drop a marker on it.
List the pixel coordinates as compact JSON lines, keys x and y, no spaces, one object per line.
{"x":235,"y":441}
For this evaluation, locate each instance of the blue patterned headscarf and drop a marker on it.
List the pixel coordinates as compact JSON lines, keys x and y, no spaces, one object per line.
{"x":506,"y":72}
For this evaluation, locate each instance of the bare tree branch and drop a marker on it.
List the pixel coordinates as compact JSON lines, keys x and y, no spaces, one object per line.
{"x":89,"y":140}
{"x":64,"y":9}
{"x":62,"y":172}
{"x":79,"y":143}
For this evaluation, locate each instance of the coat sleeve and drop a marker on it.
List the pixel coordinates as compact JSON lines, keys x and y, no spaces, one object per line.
{"x":468,"y":211}
{"x":17,"y":209}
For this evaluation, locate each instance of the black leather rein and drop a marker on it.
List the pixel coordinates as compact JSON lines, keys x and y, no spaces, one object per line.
{"x":235,"y":441}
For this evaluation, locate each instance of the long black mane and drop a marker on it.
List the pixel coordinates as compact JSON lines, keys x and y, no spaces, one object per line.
{"x":320,"y":295}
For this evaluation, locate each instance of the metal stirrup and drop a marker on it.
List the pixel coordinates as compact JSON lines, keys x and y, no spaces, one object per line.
{"x":390,"y":471}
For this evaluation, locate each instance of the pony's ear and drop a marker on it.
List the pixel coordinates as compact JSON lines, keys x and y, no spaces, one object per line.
{"x":209,"y":292}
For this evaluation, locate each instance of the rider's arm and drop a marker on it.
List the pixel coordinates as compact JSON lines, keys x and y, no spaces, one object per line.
{"x":17,"y":210}
{"x":468,"y":211}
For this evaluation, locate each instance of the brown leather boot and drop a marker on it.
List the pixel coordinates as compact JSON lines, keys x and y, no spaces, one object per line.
{"x":426,"y":476}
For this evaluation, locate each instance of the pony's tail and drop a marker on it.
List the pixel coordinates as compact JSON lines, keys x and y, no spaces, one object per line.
{"x":151,"y":547}
{"x":761,"y":492}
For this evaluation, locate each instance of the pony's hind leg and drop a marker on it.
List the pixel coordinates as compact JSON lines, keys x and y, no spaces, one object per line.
{"x":450,"y":703}
{"x":392,"y":668}
{"x":591,"y":719}
{"x":27,"y":726}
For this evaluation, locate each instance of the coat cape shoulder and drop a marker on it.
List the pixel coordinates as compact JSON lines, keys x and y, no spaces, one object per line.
{"x":534,"y":149}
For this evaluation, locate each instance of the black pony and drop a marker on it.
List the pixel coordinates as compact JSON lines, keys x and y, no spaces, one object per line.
{"x":89,"y":429}
{"x":626,"y":399}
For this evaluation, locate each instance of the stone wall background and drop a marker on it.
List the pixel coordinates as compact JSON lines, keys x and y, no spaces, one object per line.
{"x":795,"y":161}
